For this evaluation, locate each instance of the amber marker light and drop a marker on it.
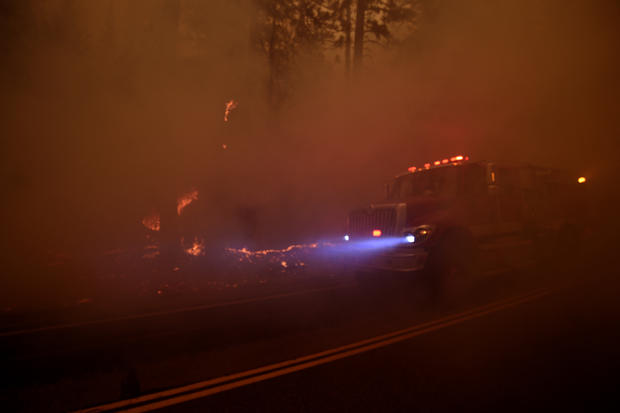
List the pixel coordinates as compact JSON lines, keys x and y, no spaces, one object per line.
{"x":581,"y":179}
{"x":376,"y":232}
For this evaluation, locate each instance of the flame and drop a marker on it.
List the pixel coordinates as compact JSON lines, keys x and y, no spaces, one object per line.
{"x":258,"y":253}
{"x":185,"y":200}
{"x":230,"y":105}
{"x":274,"y":255}
{"x":152,"y":221}
{"x":198,"y":247}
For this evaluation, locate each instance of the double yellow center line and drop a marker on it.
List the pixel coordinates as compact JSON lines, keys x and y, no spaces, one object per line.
{"x":206,"y":388}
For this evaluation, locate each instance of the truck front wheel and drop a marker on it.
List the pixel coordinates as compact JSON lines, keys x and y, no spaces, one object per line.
{"x":451,"y":265}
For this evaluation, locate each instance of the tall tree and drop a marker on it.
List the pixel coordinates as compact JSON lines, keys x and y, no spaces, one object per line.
{"x":358,"y":22}
{"x":347,"y":38}
{"x":284,"y":29}
{"x":360,"y":32}
{"x":342,"y":17}
{"x":377,"y":21}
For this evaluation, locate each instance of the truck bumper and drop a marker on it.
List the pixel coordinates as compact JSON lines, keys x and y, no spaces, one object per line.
{"x":394,"y":261}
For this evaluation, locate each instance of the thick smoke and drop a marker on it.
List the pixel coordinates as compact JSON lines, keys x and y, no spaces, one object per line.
{"x":113,"y":109}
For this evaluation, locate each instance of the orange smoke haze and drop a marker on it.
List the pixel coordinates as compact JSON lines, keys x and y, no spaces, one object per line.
{"x":112,"y":108}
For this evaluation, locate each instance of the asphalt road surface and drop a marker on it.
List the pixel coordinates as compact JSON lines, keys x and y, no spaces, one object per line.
{"x":532,"y":339}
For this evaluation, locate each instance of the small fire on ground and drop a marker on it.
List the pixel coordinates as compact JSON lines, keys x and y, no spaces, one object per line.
{"x":198,"y":247}
{"x":185,"y":200}
{"x":248,"y":256}
{"x":152,"y":221}
{"x":291,"y":258}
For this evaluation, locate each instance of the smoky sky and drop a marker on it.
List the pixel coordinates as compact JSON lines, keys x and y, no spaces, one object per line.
{"x":112,"y":109}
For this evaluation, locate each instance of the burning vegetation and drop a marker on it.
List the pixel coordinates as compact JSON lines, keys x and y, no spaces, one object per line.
{"x":185,"y":200}
{"x":198,"y":247}
{"x":152,"y":221}
{"x":230,"y":105}
{"x":274,"y":255}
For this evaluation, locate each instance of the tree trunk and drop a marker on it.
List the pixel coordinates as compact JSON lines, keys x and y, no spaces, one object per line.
{"x":272,"y":61}
{"x":347,"y":39}
{"x":358,"y":47}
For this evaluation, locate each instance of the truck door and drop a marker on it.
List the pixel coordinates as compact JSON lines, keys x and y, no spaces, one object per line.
{"x":512,"y":247}
{"x":509,"y":198}
{"x":480,"y":204}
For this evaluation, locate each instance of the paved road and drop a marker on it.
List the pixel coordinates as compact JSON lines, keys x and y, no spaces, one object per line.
{"x":556,"y":347}
{"x":560,"y":352}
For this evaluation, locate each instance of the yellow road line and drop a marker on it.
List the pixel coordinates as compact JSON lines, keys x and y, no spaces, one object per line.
{"x":302,"y":363}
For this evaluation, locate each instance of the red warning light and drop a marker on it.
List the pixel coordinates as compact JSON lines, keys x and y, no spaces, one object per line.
{"x":454,"y":160}
{"x":376,"y":232}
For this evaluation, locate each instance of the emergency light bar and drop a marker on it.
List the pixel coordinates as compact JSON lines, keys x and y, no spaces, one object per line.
{"x":455,"y":160}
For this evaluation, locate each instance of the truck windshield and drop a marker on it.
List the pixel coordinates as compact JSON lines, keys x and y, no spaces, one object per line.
{"x":440,"y":182}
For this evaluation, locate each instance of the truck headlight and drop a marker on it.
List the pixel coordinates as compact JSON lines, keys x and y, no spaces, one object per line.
{"x":418,"y":235}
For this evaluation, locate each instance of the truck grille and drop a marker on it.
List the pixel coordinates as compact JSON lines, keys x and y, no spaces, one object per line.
{"x":363,"y":222}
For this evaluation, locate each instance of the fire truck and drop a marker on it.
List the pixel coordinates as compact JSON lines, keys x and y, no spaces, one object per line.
{"x":457,"y":218}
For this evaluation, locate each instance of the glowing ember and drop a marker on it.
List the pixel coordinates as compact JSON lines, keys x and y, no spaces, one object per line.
{"x":230,"y":105}
{"x":288,"y":257}
{"x":150,"y":252}
{"x":185,"y":200}
{"x":152,"y":221}
{"x":259,"y":253}
{"x":197,"y":249}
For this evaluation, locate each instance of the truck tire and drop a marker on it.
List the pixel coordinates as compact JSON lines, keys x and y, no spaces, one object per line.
{"x":451,"y":264}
